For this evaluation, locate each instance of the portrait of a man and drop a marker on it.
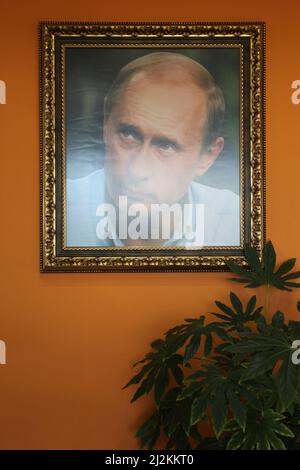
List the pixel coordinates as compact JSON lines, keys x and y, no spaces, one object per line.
{"x":162,"y":134}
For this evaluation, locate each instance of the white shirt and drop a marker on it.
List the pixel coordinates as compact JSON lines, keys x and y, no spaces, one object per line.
{"x":84,"y":195}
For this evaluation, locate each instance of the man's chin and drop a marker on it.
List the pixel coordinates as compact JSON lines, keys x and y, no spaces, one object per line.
{"x":142,"y":203}
{"x":128,"y":200}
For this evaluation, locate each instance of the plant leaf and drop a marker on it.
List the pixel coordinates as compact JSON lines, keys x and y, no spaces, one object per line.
{"x":236,"y":441}
{"x":269,"y":260}
{"x":285,"y":267}
{"x":192,"y":348}
{"x":208,"y":345}
{"x":177,"y":373}
{"x":250,"y":305}
{"x":219,"y":412}
{"x":236,"y":303}
{"x":252,"y":257}
{"x":198,"y":408}
{"x":238,"y":409}
{"x":161,"y":383}
{"x":287,"y":382}
{"x":278,"y":319}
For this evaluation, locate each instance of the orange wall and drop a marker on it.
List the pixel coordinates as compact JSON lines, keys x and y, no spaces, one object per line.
{"x":71,"y":338}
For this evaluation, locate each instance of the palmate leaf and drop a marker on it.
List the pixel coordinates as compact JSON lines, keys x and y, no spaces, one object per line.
{"x":265,"y":351}
{"x":236,"y":317}
{"x":155,"y":373}
{"x":266,"y":427}
{"x":190,"y":335}
{"x":164,"y":358}
{"x":287,"y":381}
{"x":189,"y":332}
{"x":149,"y":432}
{"x":219,"y":412}
{"x":268,"y":261}
{"x":170,"y":412}
{"x":145,"y":387}
{"x":177,"y":373}
{"x":263,"y":271}
{"x":263,"y":431}
{"x":208,"y":345}
{"x":219,"y":392}
{"x":178,"y":441}
{"x":192,"y":347}
{"x":293,"y":422}
{"x":199,"y":408}
{"x":249,"y":376}
{"x":261,"y":363}
{"x":278,"y":319}
{"x":286,"y":266}
{"x":190,"y":389}
{"x":238,"y":408}
{"x":236,"y":440}
{"x":161,"y":383}
{"x":176,"y":419}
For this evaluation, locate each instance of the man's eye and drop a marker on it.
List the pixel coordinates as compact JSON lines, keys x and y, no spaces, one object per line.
{"x":167,"y":147}
{"x":126,"y":134}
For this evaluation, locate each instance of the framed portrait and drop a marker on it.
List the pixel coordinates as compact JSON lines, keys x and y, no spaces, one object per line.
{"x":152,"y":145}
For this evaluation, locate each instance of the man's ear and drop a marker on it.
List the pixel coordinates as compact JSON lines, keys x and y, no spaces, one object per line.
{"x":209,"y":156}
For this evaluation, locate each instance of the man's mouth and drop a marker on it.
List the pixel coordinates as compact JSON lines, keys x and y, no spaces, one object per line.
{"x":138,"y":196}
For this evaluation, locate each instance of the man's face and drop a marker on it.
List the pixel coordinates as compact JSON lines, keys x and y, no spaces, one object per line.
{"x":153,"y":140}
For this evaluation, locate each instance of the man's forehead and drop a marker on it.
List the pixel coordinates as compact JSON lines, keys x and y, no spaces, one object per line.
{"x":164,"y":91}
{"x":162,"y":98}
{"x":176,"y":76}
{"x":162,"y":107}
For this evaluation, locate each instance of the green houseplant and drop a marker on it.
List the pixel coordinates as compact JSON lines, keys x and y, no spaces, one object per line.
{"x":237,"y":374}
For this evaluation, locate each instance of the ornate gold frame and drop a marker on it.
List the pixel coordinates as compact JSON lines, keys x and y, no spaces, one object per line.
{"x":54,"y":38}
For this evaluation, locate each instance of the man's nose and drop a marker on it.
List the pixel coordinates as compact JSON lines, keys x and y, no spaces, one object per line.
{"x":140,"y":164}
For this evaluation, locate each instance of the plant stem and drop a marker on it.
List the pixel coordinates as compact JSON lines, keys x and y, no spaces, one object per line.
{"x":267,"y":300}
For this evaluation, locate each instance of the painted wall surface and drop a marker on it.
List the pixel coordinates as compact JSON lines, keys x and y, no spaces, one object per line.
{"x":72,"y":338}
